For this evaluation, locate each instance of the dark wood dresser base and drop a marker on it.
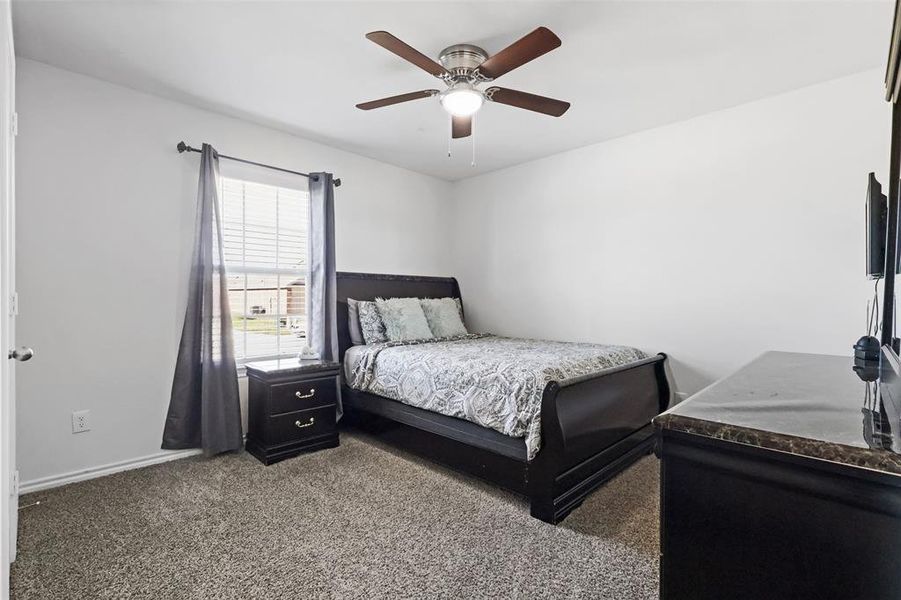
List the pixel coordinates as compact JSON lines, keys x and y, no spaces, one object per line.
{"x":782,"y":482}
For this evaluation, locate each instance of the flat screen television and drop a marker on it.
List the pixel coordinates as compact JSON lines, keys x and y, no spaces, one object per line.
{"x":877,"y":221}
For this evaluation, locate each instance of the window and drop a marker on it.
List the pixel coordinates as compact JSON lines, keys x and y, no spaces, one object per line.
{"x":264,"y":239}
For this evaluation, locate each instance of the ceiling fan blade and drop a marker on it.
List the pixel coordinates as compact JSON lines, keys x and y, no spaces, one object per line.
{"x":407,"y":52}
{"x":541,"y":41}
{"x":396,"y":99}
{"x":541,"y":104}
{"x":461,"y":127}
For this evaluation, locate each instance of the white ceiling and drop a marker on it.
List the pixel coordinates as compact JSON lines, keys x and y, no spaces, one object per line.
{"x":301,"y":66}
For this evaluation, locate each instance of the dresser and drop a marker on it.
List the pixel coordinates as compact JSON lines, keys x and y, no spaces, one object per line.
{"x":291,"y":407}
{"x":782,"y":481}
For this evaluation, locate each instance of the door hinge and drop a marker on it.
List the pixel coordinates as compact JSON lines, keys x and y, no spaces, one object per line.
{"x":14,"y":484}
{"x":14,"y":123}
{"x":14,"y":304}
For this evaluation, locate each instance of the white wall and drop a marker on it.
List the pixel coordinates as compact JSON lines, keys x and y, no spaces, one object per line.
{"x":712,"y":239}
{"x":105,"y":218}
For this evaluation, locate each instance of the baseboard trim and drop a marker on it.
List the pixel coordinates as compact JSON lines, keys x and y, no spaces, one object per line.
{"x":46,"y":483}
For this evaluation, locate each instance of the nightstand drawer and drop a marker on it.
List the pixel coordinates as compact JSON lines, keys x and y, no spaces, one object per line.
{"x":302,"y":395}
{"x":299,"y":426}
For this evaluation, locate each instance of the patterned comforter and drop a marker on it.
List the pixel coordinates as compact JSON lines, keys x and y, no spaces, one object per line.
{"x":493,"y":381}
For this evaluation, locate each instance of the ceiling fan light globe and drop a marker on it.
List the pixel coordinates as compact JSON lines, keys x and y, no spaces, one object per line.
{"x":462,"y":102}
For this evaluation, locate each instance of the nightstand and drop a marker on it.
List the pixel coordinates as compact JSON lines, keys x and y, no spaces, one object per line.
{"x":291,"y":407}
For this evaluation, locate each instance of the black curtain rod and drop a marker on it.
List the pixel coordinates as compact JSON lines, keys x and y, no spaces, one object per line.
{"x":183,"y":147}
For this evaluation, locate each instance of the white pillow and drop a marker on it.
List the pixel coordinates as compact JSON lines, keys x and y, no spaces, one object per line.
{"x":443,"y":315}
{"x":403,"y":319}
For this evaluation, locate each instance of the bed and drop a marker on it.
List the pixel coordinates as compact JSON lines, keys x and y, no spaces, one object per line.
{"x":592,"y":426}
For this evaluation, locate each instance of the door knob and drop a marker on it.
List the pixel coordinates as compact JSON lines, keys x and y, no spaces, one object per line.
{"x":22,"y":354}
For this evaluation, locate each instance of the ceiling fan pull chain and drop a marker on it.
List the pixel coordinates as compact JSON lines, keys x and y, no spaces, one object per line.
{"x":473,"y":138}
{"x":450,"y":126}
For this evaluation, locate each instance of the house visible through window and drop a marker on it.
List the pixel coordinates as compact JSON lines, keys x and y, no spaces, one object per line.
{"x":264,"y":233}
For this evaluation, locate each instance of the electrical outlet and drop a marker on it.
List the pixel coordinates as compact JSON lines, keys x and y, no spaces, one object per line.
{"x":81,"y":421}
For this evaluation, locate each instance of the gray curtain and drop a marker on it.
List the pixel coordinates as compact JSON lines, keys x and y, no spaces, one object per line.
{"x":321,"y":293}
{"x":204,"y":410}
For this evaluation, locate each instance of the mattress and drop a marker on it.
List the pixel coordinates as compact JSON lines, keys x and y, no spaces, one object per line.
{"x":492,"y":381}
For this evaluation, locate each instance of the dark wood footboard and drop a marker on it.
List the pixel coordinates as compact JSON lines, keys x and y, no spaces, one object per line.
{"x":592,"y":428}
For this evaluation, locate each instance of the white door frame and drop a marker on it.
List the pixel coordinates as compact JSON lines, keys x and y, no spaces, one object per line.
{"x":9,"y":493}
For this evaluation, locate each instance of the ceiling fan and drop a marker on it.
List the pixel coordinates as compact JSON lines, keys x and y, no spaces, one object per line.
{"x":463,"y":67}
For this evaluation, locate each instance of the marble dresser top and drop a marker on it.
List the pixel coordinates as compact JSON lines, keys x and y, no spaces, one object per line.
{"x":810,"y":405}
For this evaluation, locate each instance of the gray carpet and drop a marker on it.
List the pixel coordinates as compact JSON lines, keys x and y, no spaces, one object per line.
{"x":360,"y":521}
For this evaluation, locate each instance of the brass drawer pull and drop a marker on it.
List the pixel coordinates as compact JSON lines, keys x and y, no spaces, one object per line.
{"x":301,"y":425}
{"x":309,"y":395}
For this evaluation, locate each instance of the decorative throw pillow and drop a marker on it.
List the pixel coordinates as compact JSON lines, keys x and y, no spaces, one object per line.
{"x":443,"y":316}
{"x":353,"y":322}
{"x":371,"y":325}
{"x":403,"y":319}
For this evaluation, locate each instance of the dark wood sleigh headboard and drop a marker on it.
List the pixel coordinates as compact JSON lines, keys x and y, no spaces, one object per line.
{"x":369,"y":286}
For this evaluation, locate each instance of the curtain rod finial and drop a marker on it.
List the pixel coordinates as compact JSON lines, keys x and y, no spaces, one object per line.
{"x":337,"y":183}
{"x":181,"y":147}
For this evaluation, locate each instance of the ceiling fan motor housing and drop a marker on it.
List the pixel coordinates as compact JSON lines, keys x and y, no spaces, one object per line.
{"x":462,"y":60}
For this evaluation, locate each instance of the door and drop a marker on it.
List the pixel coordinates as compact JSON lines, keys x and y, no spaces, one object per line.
{"x":9,"y":480}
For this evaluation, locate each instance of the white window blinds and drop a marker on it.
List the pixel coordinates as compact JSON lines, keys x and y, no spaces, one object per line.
{"x":264,"y":238}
